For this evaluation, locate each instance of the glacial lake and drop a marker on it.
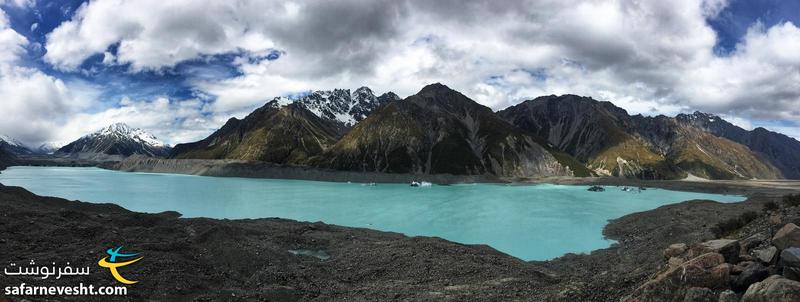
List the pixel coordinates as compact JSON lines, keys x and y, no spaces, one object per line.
{"x":531,"y":222}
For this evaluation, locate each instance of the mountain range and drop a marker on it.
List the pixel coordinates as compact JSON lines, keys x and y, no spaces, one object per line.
{"x":441,"y":131}
{"x":612,"y":142}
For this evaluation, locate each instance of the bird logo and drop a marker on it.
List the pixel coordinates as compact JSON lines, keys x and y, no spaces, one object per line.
{"x":111,"y":262}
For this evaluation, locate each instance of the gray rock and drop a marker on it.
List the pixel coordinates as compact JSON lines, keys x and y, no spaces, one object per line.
{"x":787,"y":236}
{"x":729,"y":249}
{"x":752,"y":273}
{"x":752,"y":242}
{"x":728,"y":296}
{"x":791,"y":257}
{"x":791,"y":273}
{"x":675,"y":250}
{"x":766,"y":255}
{"x":773,"y":289}
{"x":699,"y":294}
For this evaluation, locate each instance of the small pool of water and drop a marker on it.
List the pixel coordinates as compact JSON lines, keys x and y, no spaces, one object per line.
{"x":535,"y":222}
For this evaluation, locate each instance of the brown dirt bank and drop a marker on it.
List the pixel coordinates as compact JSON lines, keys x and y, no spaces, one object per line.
{"x":207,"y":259}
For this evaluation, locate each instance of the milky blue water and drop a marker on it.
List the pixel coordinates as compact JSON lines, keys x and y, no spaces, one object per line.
{"x":532,"y":222}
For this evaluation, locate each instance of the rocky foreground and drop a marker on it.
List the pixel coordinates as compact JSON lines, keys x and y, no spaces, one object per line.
{"x":282,"y":260}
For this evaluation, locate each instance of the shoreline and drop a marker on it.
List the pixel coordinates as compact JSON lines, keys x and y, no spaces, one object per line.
{"x":427,"y":268}
{"x":631,"y":260}
{"x":251,"y":169}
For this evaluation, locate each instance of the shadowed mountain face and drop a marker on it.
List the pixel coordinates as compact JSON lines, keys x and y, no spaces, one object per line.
{"x":611,"y":142}
{"x":780,"y":150}
{"x":117,"y":139}
{"x":6,"y":158}
{"x":289,"y":134}
{"x":439,"y":130}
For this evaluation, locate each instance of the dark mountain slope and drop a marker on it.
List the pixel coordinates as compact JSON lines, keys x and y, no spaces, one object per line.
{"x":6,"y":159}
{"x":439,"y":130}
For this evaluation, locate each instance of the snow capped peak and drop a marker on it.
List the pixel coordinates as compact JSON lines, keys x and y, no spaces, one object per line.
{"x":337,"y":105}
{"x":11,"y":141}
{"x":122,"y":130}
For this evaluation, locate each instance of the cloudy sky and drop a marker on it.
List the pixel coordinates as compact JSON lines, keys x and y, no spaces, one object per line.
{"x":180,"y":68}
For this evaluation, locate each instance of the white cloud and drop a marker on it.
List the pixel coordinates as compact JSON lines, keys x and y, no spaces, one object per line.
{"x":19,"y":3}
{"x":35,"y":105}
{"x":12,"y":44}
{"x":648,"y":56}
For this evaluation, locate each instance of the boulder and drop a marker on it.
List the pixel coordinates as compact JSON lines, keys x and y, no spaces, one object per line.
{"x":675,"y":262}
{"x":766,"y":255}
{"x":675,"y":250}
{"x":728,"y":296}
{"x":788,"y":236}
{"x":791,"y":257}
{"x":773,"y":289}
{"x":752,"y":242}
{"x":708,"y":270}
{"x":753,"y":273}
{"x":699,"y":294}
{"x":791,"y":273}
{"x":729,"y":248}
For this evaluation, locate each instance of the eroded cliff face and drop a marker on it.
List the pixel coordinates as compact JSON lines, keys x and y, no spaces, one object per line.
{"x":611,"y":142}
{"x":438,"y":131}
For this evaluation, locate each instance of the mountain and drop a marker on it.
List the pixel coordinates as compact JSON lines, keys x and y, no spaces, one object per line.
{"x":6,"y":158}
{"x":285,"y":134}
{"x":119,"y":140}
{"x":47,"y":148}
{"x":611,"y":142}
{"x":13,"y":146}
{"x":782,"y":151}
{"x":341,"y":106}
{"x":288,"y":131}
{"x":439,"y":130}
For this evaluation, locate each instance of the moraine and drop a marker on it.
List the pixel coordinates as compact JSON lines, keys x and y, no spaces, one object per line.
{"x":534,"y":222}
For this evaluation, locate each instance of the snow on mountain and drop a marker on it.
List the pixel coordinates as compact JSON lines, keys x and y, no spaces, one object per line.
{"x":13,"y":146}
{"x":341,"y":105}
{"x":11,"y":141}
{"x":123,"y":130}
{"x":118,"y":139}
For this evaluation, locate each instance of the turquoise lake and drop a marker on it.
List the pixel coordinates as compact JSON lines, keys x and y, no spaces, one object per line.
{"x":531,"y":222}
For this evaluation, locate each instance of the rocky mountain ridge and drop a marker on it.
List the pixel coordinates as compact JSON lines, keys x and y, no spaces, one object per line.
{"x":340,"y":105}
{"x":780,"y":150}
{"x":612,"y":142}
